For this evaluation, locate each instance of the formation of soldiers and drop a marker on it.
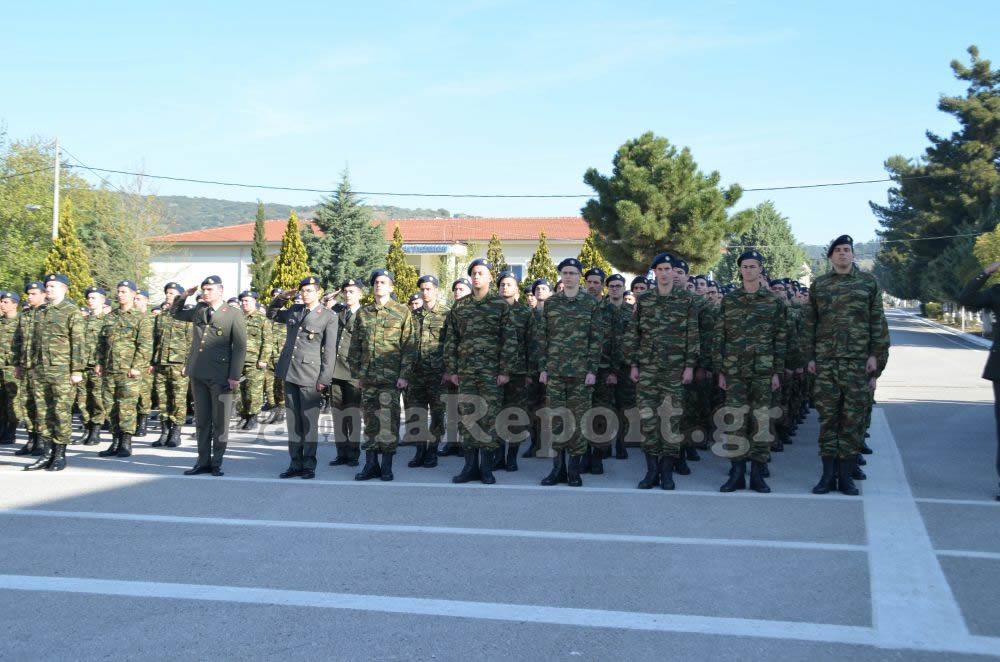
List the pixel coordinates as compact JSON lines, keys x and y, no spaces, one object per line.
{"x":576,"y":371}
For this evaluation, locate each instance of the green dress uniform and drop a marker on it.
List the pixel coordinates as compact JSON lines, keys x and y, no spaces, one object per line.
{"x":90,"y":392}
{"x":258,"y":350}
{"x":345,"y":394}
{"x":126,"y":344}
{"x":171,"y":342}
{"x":424,"y":391}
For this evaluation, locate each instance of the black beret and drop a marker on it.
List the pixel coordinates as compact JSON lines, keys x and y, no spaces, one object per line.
{"x":508,"y":274}
{"x":414,"y":296}
{"x":177,"y":287}
{"x":58,"y":278}
{"x":570,"y":262}
{"x":640,"y":279}
{"x":529,"y":290}
{"x":129,"y":284}
{"x":381,"y":272}
{"x":751,"y":254}
{"x":211,"y":280}
{"x":310,"y":280}
{"x":34,"y":285}
{"x":662,"y":258}
{"x":839,"y":241}
{"x":144,"y":293}
{"x":248,"y":294}
{"x":95,"y":290}
{"x":678,"y":262}
{"x":13,"y":296}
{"x":232,"y":300}
{"x":428,"y":279}
{"x":276,"y":290}
{"x":541,"y":281}
{"x":595,"y":271}
{"x":352,"y":282}
{"x":461,"y":281}
{"x":479,"y":262}
{"x":612,"y":277}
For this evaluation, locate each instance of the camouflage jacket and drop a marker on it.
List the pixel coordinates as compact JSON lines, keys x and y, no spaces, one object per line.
{"x":259,"y":339}
{"x":571,"y":335}
{"x":613,"y":348}
{"x":663,"y":334}
{"x":23,"y":334}
{"x":708,"y":321}
{"x":126,"y":341}
{"x":430,"y":339}
{"x":751,"y":334}
{"x":171,"y":339}
{"x":480,"y":340}
{"x":383,"y":348}
{"x":92,"y":325}
{"x":57,"y":338}
{"x":522,"y":318}
{"x":8,"y":329}
{"x":278,"y":334}
{"x":845,"y":319}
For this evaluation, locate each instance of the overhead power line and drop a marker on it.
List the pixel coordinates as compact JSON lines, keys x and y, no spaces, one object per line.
{"x":27,"y":172}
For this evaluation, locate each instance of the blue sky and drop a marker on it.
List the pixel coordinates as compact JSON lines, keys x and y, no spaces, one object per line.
{"x":492,"y":97}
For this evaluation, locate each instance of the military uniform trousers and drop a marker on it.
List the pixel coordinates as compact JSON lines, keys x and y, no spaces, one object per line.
{"x":573,"y":396}
{"x":424,"y":393}
{"x":213,"y":405}
{"x":252,"y":390}
{"x":90,"y":398}
{"x":122,"y":393}
{"x":269,"y":399}
{"x":842,"y":399}
{"x":518,"y":395}
{"x":609,"y":396}
{"x":381,"y":409}
{"x":54,"y":395}
{"x":11,"y":395}
{"x":660,"y":438}
{"x":345,"y":402}
{"x":303,"y":405}
{"x":171,"y":392}
{"x":479,"y":401}
{"x":748,"y":418}
{"x":28,"y":400}
{"x":145,"y":402}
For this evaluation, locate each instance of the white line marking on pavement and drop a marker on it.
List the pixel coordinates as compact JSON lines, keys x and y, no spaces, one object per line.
{"x":969,"y":554}
{"x":961,"y":502}
{"x":912,"y":603}
{"x":445,"y":530}
{"x":566,"y":616}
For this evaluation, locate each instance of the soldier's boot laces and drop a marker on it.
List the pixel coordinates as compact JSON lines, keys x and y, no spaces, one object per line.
{"x":573,"y":471}
{"x":558,"y":473}
{"x":95,"y":435}
{"x":58,"y":462}
{"x":827,"y":481}
{"x":486,"y":460}
{"x":29,"y":445}
{"x":737,"y":477}
{"x":125,"y":445}
{"x":371,"y":468}
{"x":597,"y":461}
{"x":680,"y":465}
{"x":113,"y":448}
{"x":511,"y":463}
{"x":757,"y":483}
{"x":470,"y":471}
{"x":387,"y":466}
{"x":46,"y":458}
{"x":420,"y":450}
{"x":431,"y":456}
{"x":652,"y":477}
{"x":667,"y":466}
{"x":164,"y":434}
{"x":846,"y":479}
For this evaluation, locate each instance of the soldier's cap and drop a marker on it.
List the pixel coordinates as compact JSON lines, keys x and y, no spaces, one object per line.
{"x":310,"y":280}
{"x":776,"y":281}
{"x":143,"y":293}
{"x":276,"y":290}
{"x":414,"y":296}
{"x":639,"y":279}
{"x":529,"y":290}
{"x":211,"y":280}
{"x":710,"y":283}
{"x":679,"y":263}
{"x":613,"y":277}
{"x":479,"y":262}
{"x":127,"y":283}
{"x":461,"y":281}
{"x":176,"y":287}
{"x":381,"y":272}
{"x":840,"y":241}
{"x":95,"y":290}
{"x":232,"y":300}
{"x":57,"y":278}
{"x":570,"y":262}
{"x":34,"y":285}
{"x":750,"y":254}
{"x":428,"y":279}
{"x":353,"y":282}
{"x":508,"y":274}
{"x":804,"y":289}
{"x":13,"y":296}
{"x":691,"y":279}
{"x":595,"y":271}
{"x":701,"y":276}
{"x":796,"y":284}
{"x":662,"y":258}
{"x":541,"y":281}
{"x":248,"y":294}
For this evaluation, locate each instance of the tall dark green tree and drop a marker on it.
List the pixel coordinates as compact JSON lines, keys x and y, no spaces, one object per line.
{"x":292,"y":264}
{"x":395,"y":261}
{"x":67,"y":256}
{"x":541,"y":265}
{"x":949,"y":190}
{"x":495,"y":256}
{"x":351,"y":246}
{"x":657,"y":200}
{"x":591,"y":256}
{"x":260,"y":267}
{"x":769,"y":232}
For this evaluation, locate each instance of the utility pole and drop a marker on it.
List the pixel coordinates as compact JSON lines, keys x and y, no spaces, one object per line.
{"x":55,"y":197}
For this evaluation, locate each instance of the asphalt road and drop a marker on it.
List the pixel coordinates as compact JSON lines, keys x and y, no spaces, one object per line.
{"x":115,"y":559}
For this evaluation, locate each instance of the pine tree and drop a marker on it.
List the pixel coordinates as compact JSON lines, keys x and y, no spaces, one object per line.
{"x":495,"y":256}
{"x":292,"y":264}
{"x":591,"y":256}
{"x":395,"y":261}
{"x":770,"y":233}
{"x":260,"y":268}
{"x":541,"y":265}
{"x":67,"y":256}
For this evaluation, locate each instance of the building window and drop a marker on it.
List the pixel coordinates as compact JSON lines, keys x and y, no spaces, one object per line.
{"x":518,"y":270}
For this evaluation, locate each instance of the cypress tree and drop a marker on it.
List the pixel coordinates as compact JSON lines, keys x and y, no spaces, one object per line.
{"x":292,"y":264}
{"x":591,"y":256}
{"x":495,"y":256}
{"x":260,"y":268}
{"x":395,"y":261}
{"x":67,"y":256}
{"x":541,"y":265}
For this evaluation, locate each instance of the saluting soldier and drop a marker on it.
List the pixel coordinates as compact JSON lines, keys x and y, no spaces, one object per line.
{"x":34,"y":292}
{"x":258,"y":352}
{"x":171,"y":342}
{"x":10,"y":399}
{"x":382,"y":354}
{"x":214,"y":366}
{"x":145,"y":402}
{"x":345,"y":390}
{"x":518,"y":391}
{"x":123,"y":354}
{"x":274,"y":395}
{"x":424,"y":390}
{"x":56,"y":366}
{"x":306,"y":368}
{"x":90,"y":392}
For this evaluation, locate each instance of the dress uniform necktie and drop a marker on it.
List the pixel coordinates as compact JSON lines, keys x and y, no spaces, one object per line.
{"x":209,"y":314}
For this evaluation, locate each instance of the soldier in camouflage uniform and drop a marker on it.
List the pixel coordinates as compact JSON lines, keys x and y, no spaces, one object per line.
{"x":460,"y":288}
{"x":751,"y":344}
{"x":480,"y":351}
{"x":90,"y":392}
{"x":171,"y":342}
{"x":692,"y":407}
{"x":612,"y":380}
{"x":123,"y":356}
{"x":381,"y":355}
{"x":845,"y":336}
{"x":23,"y":356}
{"x":11,"y":408}
{"x":145,"y":402}
{"x":570,"y":340}
{"x":56,"y":367}
{"x":517,"y":392}
{"x":259,"y":351}
{"x":542,"y":290}
{"x":424,"y":391}
{"x":662,"y":348}
{"x":274,"y":388}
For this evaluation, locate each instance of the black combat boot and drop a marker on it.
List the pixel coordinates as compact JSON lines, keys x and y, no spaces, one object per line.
{"x":846,"y":478}
{"x":86,"y":435}
{"x":652,"y":477}
{"x":486,"y":461}
{"x":858,"y":474}
{"x":418,"y":455}
{"x":140,"y":426}
{"x":112,"y":450}
{"x":597,"y":461}
{"x":778,"y":446}
{"x":691,"y":454}
{"x":341,"y":458}
{"x":532,"y":449}
{"x":766,"y":470}
{"x":9,"y":433}
{"x":95,"y":435}
{"x":667,"y":466}
{"x":164,"y":434}
{"x":680,"y":464}
{"x":125,"y":445}
{"x":511,"y":462}
{"x":371,"y":468}
{"x":38,"y":448}
{"x":861,"y":460}
{"x":279,"y":415}
{"x":558,"y":473}
{"x":620,"y":452}
{"x":865,"y":449}
{"x":585,"y":461}
{"x":828,"y":480}
{"x":58,"y":462}
{"x":48,"y":449}
{"x":353,"y":453}
{"x":737,"y":477}
{"x":450,"y":448}
{"x":251,"y":423}
{"x":387,"y":466}
{"x":431,"y":456}
{"x":174,"y":439}
{"x":29,"y":445}
{"x":757,"y":483}
{"x":470,"y":471}
{"x":573,"y":471}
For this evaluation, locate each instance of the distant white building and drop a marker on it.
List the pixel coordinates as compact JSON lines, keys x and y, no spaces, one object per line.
{"x":191,"y":256}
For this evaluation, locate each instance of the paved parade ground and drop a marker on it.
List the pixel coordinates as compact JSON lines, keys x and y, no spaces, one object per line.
{"x":127,"y":558}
